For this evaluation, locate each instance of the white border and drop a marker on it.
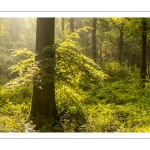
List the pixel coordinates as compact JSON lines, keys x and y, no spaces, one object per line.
{"x":58,"y":14}
{"x":77,"y":5}
{"x":95,"y":135}
{"x":67,"y":8}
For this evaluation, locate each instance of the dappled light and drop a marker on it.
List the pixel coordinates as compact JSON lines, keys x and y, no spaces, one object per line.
{"x":74,"y":75}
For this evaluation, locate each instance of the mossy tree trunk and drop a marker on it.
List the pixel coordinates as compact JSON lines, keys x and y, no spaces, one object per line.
{"x":143,"y":53}
{"x":94,"y":50}
{"x":43,"y":98}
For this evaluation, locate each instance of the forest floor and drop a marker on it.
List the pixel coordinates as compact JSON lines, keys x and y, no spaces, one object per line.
{"x":117,"y":106}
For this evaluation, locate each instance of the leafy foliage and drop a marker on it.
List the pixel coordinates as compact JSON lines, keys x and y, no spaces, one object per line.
{"x":118,"y":72}
{"x":89,"y":98}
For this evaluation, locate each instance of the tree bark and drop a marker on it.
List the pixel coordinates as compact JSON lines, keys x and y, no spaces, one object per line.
{"x":72,"y":24}
{"x":143,"y":54}
{"x":120,"y":47}
{"x":148,"y":59}
{"x":100,"y":55}
{"x":62,"y":24}
{"x":94,"y":50}
{"x":43,"y":98}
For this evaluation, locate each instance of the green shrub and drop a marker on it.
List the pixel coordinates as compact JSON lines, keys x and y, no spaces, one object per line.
{"x":3,"y":80}
{"x":117,"y":72}
{"x":15,"y":95}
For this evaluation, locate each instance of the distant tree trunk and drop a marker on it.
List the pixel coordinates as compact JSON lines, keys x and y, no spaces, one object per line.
{"x":100,"y":55}
{"x":43,"y":98}
{"x":120,"y":47}
{"x":62,"y":24}
{"x":79,"y":23}
{"x":143,"y":54}
{"x":148,"y":58}
{"x":94,"y":51}
{"x":72,"y":24}
{"x":16,"y":26}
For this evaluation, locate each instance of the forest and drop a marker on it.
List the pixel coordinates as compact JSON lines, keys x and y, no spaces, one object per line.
{"x":75,"y":74}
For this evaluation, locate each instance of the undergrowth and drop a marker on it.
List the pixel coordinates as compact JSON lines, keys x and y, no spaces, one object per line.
{"x":88,"y":98}
{"x":111,"y":107}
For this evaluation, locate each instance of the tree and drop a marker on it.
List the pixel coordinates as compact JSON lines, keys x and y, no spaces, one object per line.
{"x":62,"y":24}
{"x":28,"y":34}
{"x":143,"y":54}
{"x":148,"y":58}
{"x":94,"y":52}
{"x":43,"y":98}
{"x":120,"y":45}
{"x":117,"y":33}
{"x":15,"y":28}
{"x":72,"y":24}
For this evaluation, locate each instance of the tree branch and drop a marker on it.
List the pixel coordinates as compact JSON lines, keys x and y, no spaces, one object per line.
{"x":120,"y":28}
{"x":128,"y":36}
{"x":113,"y":42}
{"x":126,"y":43}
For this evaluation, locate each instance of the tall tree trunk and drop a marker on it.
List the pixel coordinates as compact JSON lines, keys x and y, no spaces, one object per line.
{"x":143,"y":54}
{"x":43,"y":98}
{"x":72,"y":24}
{"x":62,"y":24}
{"x":100,"y":55}
{"x":120,"y":47}
{"x":94,"y":51}
{"x":148,"y":58}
